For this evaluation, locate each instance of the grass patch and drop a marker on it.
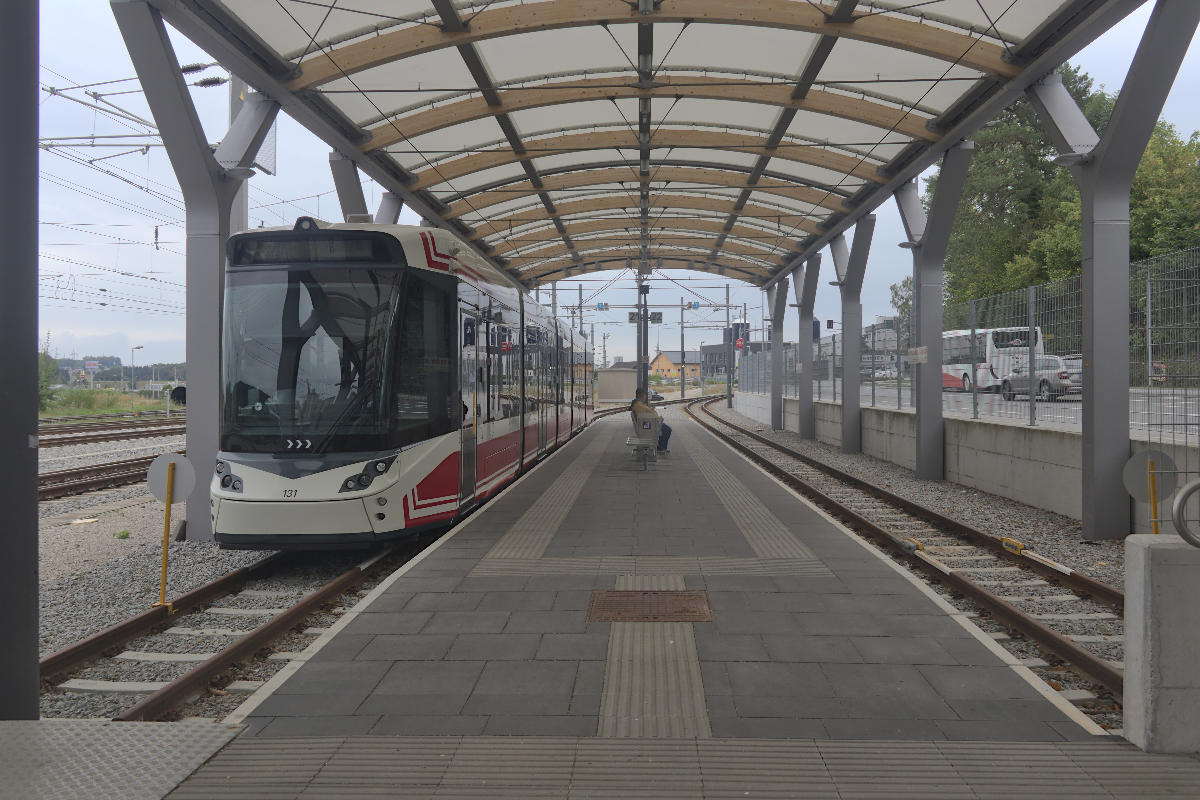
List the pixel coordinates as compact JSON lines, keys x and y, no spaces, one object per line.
{"x":85,"y":402}
{"x":122,"y":535}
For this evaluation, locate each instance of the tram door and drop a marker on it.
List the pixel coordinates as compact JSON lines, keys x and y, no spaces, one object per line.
{"x":468,"y":326}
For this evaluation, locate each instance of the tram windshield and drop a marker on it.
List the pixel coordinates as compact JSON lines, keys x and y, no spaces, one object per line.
{"x":333,"y":359}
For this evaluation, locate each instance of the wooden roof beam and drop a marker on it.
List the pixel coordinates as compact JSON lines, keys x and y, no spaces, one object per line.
{"x":411,"y":40}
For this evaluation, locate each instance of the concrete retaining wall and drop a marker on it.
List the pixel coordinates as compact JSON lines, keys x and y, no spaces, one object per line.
{"x":1040,"y":466}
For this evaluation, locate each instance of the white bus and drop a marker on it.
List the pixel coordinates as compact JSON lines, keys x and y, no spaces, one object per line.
{"x":998,"y":351}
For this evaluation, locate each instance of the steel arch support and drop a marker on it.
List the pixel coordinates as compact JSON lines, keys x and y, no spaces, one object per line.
{"x":806,"y":299}
{"x":932,"y":237}
{"x":1104,"y":168}
{"x":349,"y":188}
{"x":208,"y":191}
{"x":851,"y":266}
{"x":390,"y":206}
{"x":777,"y":302}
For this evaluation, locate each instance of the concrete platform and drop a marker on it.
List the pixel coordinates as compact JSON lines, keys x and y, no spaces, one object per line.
{"x":825,"y":671}
{"x":813,"y":634}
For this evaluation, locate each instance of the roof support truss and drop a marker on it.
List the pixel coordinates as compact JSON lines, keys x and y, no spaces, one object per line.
{"x":805,"y":289}
{"x":851,"y":267}
{"x":453,"y":23}
{"x":394,"y":130}
{"x":349,"y":188}
{"x":1103,"y":168}
{"x":411,"y":40}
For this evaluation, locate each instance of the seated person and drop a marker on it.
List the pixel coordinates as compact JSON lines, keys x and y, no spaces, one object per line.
{"x":640,"y":406}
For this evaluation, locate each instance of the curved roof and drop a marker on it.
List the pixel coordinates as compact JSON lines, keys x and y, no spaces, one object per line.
{"x":565,"y":136}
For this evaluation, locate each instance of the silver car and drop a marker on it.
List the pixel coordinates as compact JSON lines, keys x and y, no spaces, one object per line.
{"x":1055,"y":376}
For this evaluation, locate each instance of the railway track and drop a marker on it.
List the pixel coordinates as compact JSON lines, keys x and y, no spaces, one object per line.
{"x":87,"y":426}
{"x":1073,"y":617}
{"x":153,"y":664}
{"x":114,"y":433}
{"x":110,"y":416}
{"x":67,"y":482}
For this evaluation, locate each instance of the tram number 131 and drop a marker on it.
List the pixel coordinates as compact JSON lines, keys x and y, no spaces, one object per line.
{"x":289,"y":494}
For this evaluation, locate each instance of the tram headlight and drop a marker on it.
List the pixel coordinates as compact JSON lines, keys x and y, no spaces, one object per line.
{"x":364,"y":480}
{"x":352,"y":483}
{"x":381,"y":466}
{"x":237,"y":486}
{"x":220,"y":467}
{"x":226,"y":481}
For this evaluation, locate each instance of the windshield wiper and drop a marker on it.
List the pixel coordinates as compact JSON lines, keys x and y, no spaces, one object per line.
{"x":366,"y":391}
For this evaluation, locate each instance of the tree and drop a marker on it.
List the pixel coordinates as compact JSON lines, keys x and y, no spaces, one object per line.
{"x":1018,"y":222}
{"x":902,"y":301}
{"x":47,"y":372}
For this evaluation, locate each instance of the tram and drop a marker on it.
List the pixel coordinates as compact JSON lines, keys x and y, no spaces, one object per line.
{"x":379,"y":381}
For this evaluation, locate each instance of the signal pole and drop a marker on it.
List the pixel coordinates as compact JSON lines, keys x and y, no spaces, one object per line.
{"x":728,"y":354}
{"x":682,"y":356}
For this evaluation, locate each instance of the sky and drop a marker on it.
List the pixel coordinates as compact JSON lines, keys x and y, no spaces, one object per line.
{"x":111,"y":244}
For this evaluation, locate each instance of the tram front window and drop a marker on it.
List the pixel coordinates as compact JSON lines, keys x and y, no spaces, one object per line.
{"x":306,"y":358}
{"x":334,"y":359}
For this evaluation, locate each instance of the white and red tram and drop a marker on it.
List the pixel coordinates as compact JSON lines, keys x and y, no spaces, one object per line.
{"x":377,"y":381}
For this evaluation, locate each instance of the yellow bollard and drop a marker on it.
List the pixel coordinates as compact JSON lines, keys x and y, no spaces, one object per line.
{"x":162,"y":588}
{"x":1153,"y":495}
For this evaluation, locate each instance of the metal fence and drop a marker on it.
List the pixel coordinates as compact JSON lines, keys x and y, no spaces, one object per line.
{"x":1017,"y":356}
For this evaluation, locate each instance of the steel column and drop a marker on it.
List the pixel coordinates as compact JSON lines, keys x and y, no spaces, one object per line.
{"x":349,"y":188}
{"x":851,"y":266}
{"x":777,"y":300}
{"x":19,"y":362}
{"x":929,"y":238}
{"x":208,"y":189}
{"x":390,"y":206}
{"x":806,"y":297}
{"x":1103,"y":168}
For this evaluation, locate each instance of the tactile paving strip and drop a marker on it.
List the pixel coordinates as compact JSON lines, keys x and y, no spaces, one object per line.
{"x":529,"y":536}
{"x":650,"y":565}
{"x":649,"y":606}
{"x":71,"y":759}
{"x":652,"y":683}
{"x":701,"y":768}
{"x":766,"y":535}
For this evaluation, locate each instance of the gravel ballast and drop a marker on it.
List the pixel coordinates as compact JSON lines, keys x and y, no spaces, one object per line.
{"x":1052,"y":535}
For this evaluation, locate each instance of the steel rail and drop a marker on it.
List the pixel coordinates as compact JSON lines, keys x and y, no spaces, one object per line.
{"x":113,"y":415}
{"x":1086,"y":663}
{"x":148,"y":432}
{"x":73,"y":655}
{"x":52,"y":485}
{"x":1084,"y":584}
{"x":59,"y":428}
{"x":154,"y":706}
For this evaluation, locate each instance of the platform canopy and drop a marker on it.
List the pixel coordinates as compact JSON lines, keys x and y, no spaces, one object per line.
{"x":566,"y":136}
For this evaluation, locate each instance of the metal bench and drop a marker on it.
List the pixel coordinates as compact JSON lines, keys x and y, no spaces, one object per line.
{"x":646,"y":430}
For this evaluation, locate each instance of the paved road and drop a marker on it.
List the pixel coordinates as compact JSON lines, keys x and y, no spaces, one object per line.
{"x":1148,"y":408}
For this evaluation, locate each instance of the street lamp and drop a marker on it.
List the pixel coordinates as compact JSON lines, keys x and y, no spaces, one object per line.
{"x":132,"y":379}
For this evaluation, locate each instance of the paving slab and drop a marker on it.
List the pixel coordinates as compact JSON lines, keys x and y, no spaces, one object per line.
{"x":813,"y":635}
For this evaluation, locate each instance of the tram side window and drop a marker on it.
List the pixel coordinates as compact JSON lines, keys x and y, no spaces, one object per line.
{"x":425,"y":392}
{"x":510,"y":390}
{"x":494,"y":374}
{"x":533,"y":367}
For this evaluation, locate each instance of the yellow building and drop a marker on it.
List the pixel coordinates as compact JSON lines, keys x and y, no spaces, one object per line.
{"x":666,"y":364}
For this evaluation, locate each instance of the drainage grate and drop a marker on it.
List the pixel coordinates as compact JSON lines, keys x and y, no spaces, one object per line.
{"x":646,"y":606}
